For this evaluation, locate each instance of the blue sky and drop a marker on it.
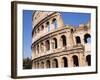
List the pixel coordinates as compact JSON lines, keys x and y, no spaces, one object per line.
{"x":75,"y":19}
{"x":68,"y":17}
{"x":27,"y":33}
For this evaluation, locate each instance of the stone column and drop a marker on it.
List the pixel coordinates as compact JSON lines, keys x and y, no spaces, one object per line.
{"x":33,"y":52}
{"x":70,"y":61}
{"x":60,"y":22}
{"x":45,"y":64}
{"x":33,"y":55}
{"x":44,"y":47}
{"x":59,"y":62}
{"x":82,"y":59}
{"x":51,"y":63}
{"x":52,"y":27}
{"x":59,"y":43}
{"x":36,"y":51}
{"x":45,"y":28}
{"x":39,"y":48}
{"x":50,"y":45}
{"x":69,"y":38}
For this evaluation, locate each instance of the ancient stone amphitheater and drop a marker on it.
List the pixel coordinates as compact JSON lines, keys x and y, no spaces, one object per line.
{"x":56,"y":45}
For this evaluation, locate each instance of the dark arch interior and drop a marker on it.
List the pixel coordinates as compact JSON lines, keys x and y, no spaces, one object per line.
{"x":42,"y":27}
{"x":42,"y":64}
{"x":37,"y":65}
{"x":48,"y":26}
{"x":48,"y":64}
{"x":47,"y":23}
{"x":88,"y":60}
{"x":42,"y":47}
{"x":54,"y":21}
{"x":38,"y":48}
{"x":78,"y":40}
{"x":75,"y":60}
{"x":55,"y":63}
{"x":63,"y":40}
{"x":55,"y":42}
{"x":65,"y":62}
{"x":47,"y":45}
{"x":87,"y":37}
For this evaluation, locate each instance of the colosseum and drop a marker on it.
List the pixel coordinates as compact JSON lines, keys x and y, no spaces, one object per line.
{"x":56,"y":45}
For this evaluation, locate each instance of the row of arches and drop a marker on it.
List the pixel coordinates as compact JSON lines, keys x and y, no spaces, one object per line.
{"x":48,"y":25}
{"x":64,"y":62}
{"x":54,"y":44}
{"x":87,"y":38}
{"x":45,"y":46}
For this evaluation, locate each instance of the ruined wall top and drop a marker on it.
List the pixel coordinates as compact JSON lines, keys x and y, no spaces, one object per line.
{"x":39,"y":15}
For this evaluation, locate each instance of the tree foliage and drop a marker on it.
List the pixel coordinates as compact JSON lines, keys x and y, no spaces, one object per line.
{"x":27,"y":63}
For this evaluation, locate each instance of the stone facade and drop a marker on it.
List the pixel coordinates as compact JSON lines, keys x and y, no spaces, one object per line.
{"x":56,"y":45}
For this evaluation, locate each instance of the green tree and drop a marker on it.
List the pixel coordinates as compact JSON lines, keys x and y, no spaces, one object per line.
{"x":27,"y":63}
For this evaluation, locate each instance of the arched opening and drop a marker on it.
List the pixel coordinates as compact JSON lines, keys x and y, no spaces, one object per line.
{"x":38,"y":30}
{"x":47,"y":45}
{"x":54,"y":22}
{"x":88,"y":60}
{"x":78,"y":40}
{"x":42,"y":27}
{"x":48,"y":26}
{"x":34,"y":32}
{"x":63,"y":38}
{"x":48,"y":64}
{"x":38,"y":49}
{"x":55,"y":63}
{"x":54,"y":43}
{"x":64,"y":62}
{"x":75,"y":61}
{"x":87,"y":38}
{"x":42,"y":47}
{"x":72,"y":30}
{"x":37,"y":65}
{"x":42,"y":64}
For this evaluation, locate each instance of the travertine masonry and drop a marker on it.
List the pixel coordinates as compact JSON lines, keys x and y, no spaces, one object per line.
{"x":57,"y":45}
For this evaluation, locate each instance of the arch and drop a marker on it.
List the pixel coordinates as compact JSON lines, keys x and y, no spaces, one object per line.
{"x":75,"y":60}
{"x":47,"y":45}
{"x":64,"y":62}
{"x":55,"y":63}
{"x":42,"y":47}
{"x":54,"y":22}
{"x":88,"y":60}
{"x":72,"y":30}
{"x":54,"y":43}
{"x":38,"y":30}
{"x":42,"y":64}
{"x":35,"y":32}
{"x":63,"y":38}
{"x":42,"y":27}
{"x":78,"y":40}
{"x":48,"y":64}
{"x":87,"y":38}
{"x":37,"y":65}
{"x":48,"y":26}
{"x":38,"y":49}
